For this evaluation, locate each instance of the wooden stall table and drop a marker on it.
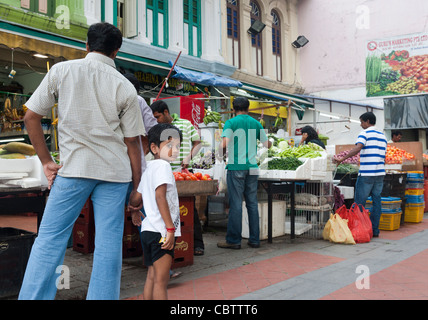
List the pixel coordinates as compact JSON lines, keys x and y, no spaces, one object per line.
{"x":15,"y":201}
{"x":281,"y":186}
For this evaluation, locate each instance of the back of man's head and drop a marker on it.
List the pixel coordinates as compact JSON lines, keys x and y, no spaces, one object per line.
{"x":241,"y":104}
{"x":104,"y":37}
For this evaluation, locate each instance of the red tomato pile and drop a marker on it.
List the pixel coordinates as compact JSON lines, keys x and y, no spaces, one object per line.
{"x":396,"y":155}
{"x":186,"y":175}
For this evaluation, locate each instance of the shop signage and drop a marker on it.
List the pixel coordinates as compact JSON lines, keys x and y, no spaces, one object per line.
{"x":175,"y":87}
{"x":397,"y":65}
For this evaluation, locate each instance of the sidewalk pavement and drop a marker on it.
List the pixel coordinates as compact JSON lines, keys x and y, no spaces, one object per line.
{"x":392,"y":266}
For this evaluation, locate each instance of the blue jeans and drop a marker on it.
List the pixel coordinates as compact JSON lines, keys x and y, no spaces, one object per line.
{"x":241,"y":184}
{"x":370,"y":186}
{"x":66,"y":199}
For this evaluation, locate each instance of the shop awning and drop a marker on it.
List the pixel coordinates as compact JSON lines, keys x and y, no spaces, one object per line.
{"x":203,"y":78}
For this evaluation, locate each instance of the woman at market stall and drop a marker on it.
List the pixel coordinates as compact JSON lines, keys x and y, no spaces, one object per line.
{"x":310,"y":135}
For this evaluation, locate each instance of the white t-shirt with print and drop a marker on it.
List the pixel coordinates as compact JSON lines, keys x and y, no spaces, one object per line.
{"x":158,"y":172}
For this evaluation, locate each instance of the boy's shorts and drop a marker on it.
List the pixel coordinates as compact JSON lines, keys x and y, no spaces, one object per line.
{"x":152,"y":248}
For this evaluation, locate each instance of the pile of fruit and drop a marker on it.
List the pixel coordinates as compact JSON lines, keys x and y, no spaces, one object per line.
{"x":16,"y":150}
{"x":186,"y":175}
{"x":396,"y":155}
{"x":211,"y":116}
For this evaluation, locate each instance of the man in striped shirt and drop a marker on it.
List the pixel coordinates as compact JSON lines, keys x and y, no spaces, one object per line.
{"x":371,"y":144}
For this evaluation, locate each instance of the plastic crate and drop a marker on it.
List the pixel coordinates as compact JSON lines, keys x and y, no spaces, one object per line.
{"x":15,"y":248}
{"x":187,"y":211}
{"x":84,"y":237}
{"x":183,"y":251}
{"x":414,"y":192}
{"x":414,"y":199}
{"x":131,"y":243}
{"x":390,"y":221}
{"x":414,"y":212}
{"x":415,"y":176}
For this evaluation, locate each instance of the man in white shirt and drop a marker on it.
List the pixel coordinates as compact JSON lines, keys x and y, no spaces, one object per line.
{"x":371,"y":144}
{"x":99,"y":124}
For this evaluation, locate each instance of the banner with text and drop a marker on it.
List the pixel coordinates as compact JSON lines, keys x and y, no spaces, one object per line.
{"x":397,"y":65}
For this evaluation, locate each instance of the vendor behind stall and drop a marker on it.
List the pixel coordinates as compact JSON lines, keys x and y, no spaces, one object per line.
{"x":310,"y":135}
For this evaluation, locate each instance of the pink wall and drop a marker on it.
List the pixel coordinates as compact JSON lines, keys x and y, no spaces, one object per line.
{"x":334,"y":58}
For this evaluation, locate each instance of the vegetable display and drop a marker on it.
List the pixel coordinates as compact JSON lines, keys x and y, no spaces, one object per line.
{"x":16,"y":150}
{"x":396,"y":155}
{"x":289,"y":163}
{"x":186,"y":175}
{"x":355,"y":159}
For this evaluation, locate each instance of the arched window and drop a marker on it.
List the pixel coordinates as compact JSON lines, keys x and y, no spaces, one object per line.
{"x":157,"y":22}
{"x":192,"y":27}
{"x":233,"y":32}
{"x":256,"y":40}
{"x":276,"y":45}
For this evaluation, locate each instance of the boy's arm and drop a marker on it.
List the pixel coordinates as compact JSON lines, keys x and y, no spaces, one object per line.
{"x":166,"y":216}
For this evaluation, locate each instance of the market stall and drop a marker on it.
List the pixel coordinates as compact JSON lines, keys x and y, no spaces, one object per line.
{"x":403,"y":189}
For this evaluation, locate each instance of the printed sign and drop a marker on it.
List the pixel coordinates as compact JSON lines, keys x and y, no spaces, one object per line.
{"x":397,"y":66}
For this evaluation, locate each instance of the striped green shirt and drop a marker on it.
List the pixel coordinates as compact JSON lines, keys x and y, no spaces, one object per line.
{"x":189,"y":135}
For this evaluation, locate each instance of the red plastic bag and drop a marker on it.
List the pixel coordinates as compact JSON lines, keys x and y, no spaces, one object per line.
{"x":361,"y":226}
{"x":358,"y":222}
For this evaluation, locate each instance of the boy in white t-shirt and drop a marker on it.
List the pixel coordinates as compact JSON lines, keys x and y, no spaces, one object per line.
{"x":158,"y":192}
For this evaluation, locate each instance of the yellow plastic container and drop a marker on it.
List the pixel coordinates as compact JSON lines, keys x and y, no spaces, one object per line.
{"x":390,"y":221}
{"x":414,"y":192}
{"x":414,"y":212}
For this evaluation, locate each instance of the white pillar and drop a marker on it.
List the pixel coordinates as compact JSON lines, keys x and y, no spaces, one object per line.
{"x":211,"y":30}
{"x":176,"y":22}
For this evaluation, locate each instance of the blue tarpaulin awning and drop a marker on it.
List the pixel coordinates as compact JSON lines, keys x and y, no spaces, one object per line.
{"x":203,"y":78}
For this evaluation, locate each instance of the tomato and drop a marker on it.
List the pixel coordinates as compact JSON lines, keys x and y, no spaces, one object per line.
{"x":179,"y":178}
{"x":193,"y":177}
{"x":187,"y":177}
{"x":198,"y":175}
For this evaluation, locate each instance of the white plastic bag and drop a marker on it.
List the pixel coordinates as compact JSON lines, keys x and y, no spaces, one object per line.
{"x":220,"y":174}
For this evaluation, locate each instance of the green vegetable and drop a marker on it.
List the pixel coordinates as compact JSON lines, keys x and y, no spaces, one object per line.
{"x":304,"y":151}
{"x":347,"y":168}
{"x":290,"y":163}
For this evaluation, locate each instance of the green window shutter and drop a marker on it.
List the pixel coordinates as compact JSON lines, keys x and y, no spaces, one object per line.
{"x":192,"y":27}
{"x":157,"y":22}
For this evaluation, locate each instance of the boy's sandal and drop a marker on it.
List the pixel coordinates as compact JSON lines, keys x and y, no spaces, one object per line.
{"x":175,"y":275}
{"x":199,"y":252}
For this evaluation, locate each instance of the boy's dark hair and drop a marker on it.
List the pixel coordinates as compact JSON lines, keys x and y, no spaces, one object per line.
{"x":133,"y":80}
{"x":241,"y":104}
{"x":369,"y":116}
{"x":162,"y":132}
{"x":396,"y":133}
{"x":104,"y":37}
{"x":312,"y":134}
{"x":159,"y":106}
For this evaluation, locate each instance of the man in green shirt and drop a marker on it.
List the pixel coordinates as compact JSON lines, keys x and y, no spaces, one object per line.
{"x":240,"y":135}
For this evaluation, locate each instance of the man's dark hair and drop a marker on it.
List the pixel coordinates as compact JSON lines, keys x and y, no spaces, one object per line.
{"x":104,"y":37}
{"x":159,"y":106}
{"x":241,"y":104}
{"x":133,"y":80}
{"x":368,"y":116}
{"x":162,"y":132}
{"x":312,"y":134}
{"x":396,"y":133}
